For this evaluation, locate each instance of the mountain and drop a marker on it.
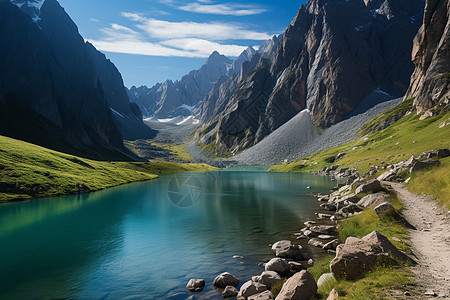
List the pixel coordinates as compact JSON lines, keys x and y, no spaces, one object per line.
{"x":430,"y":82}
{"x":333,"y":54}
{"x":216,"y":100}
{"x":171,"y":99}
{"x":58,"y":92}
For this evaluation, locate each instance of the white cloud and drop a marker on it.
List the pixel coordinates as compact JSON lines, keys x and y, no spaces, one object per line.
{"x":177,"y":30}
{"x":94,"y":20}
{"x":230,"y":9}
{"x":203,"y":46}
{"x":182,"y":39}
{"x":141,"y":48}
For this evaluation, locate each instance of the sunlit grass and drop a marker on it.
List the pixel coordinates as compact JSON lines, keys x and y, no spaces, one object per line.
{"x":434,"y":182}
{"x":40,"y":172}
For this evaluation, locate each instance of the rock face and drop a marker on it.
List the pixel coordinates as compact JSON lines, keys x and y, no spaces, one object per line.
{"x":301,"y":286}
{"x":181,"y":97}
{"x":195,"y":285}
{"x":225,"y":279}
{"x":57,"y":84}
{"x":430,"y":82}
{"x":358,"y":256}
{"x":327,"y":43}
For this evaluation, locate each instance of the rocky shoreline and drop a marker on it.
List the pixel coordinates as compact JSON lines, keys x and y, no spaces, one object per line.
{"x":353,"y":258}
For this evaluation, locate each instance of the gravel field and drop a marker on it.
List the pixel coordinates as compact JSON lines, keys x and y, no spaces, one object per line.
{"x":299,"y":137}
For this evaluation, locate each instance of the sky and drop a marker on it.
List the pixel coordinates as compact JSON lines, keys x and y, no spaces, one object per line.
{"x":151,"y":41}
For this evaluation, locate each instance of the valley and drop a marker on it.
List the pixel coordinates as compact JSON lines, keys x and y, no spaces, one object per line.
{"x":305,"y":157}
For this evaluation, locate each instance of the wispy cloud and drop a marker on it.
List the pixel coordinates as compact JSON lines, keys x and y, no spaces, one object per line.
{"x":230,"y":9}
{"x":212,"y":31}
{"x":150,"y":36}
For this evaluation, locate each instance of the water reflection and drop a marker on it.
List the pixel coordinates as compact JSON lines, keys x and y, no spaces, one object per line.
{"x":132,"y":240}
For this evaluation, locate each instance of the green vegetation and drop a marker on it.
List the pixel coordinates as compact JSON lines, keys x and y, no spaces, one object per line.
{"x":29,"y":171}
{"x":434,"y":182}
{"x":387,"y":117}
{"x":408,"y":136}
{"x":380,"y":283}
{"x":179,"y":152}
{"x":386,"y":277}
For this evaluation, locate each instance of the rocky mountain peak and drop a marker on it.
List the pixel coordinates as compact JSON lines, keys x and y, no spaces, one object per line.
{"x":430,"y":82}
{"x":30,"y":7}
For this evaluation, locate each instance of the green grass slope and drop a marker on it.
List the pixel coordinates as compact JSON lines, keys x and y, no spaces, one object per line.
{"x":30,"y":171}
{"x":407,"y":137}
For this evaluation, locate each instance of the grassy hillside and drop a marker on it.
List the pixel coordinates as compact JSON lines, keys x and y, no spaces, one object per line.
{"x":29,"y":171}
{"x":406,"y":137}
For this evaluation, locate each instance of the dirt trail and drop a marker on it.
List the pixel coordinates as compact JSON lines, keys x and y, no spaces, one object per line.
{"x":430,"y":242}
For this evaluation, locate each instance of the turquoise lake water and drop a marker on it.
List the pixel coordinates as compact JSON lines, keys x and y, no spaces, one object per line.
{"x":146,"y":240}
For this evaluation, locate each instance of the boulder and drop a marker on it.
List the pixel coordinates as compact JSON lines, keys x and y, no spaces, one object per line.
{"x":322,"y":229}
{"x":328,"y":206}
{"x":386,"y":210}
{"x":325,"y":237}
{"x":324,"y":277}
{"x":333,"y":295}
{"x":195,"y":285}
{"x":357,"y":256}
{"x":230,"y":292}
{"x":278,"y":265}
{"x":224,"y":279}
{"x":250,"y":288}
{"x":331,"y":245}
{"x":339,"y":156}
{"x":296,"y":266}
{"x":323,"y":216}
{"x":370,"y":186}
{"x":422,"y":165}
{"x":267,"y":278}
{"x":266,"y":295}
{"x":315,"y":242}
{"x":351,"y":198}
{"x":301,"y":286}
{"x":285,"y":249}
{"x":386,"y":175}
{"x":373,"y":199}
{"x":349,"y":209}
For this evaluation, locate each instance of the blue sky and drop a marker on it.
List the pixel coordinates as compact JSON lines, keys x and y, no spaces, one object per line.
{"x":153,"y":40}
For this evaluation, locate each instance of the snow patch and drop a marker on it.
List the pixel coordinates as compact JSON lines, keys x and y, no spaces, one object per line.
{"x":116,"y":112}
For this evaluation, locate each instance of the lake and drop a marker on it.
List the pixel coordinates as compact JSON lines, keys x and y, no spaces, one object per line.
{"x":146,"y":240}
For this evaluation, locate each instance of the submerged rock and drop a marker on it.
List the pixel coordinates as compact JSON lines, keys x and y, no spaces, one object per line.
{"x":195,"y":285}
{"x":224,"y":279}
{"x":229,"y":292}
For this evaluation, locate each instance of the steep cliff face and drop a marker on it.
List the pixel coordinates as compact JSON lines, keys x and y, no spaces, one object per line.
{"x":430,"y":82}
{"x":170,"y":98}
{"x":56,"y":90}
{"x":332,"y":55}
